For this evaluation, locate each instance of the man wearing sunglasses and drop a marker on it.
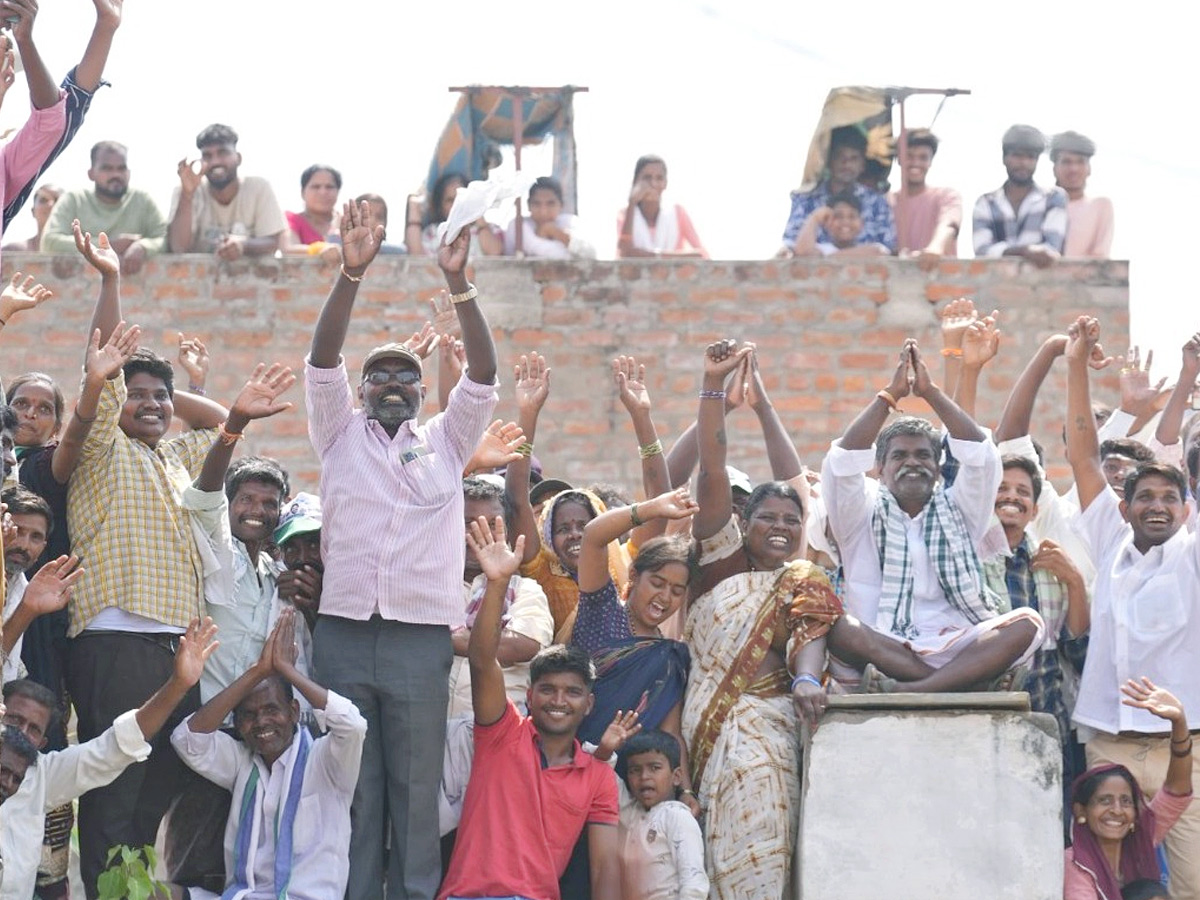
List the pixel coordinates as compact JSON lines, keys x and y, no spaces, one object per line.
{"x":391,"y":542}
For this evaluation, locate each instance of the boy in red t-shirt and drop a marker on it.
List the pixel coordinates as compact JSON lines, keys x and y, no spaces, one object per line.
{"x":533,"y":789}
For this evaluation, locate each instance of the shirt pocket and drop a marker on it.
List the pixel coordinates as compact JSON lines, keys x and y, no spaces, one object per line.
{"x":1158,"y":607}
{"x":428,"y":482}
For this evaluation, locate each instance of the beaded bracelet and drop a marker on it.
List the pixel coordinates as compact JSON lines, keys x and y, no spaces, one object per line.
{"x":652,"y":449}
{"x":712,"y":395}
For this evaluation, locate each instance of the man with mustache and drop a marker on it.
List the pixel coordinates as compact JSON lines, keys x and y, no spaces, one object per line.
{"x":298,"y":538}
{"x":910,"y":547}
{"x":132,"y":220}
{"x":217,"y":211}
{"x":1144,"y":608}
{"x":1020,"y":218}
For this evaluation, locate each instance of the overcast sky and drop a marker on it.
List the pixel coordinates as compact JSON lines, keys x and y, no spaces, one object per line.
{"x":728,"y":92}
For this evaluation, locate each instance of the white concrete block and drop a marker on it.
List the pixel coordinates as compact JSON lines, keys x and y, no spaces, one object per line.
{"x":920,"y":804}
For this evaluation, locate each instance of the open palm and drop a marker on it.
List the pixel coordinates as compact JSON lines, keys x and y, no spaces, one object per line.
{"x":104,"y":362}
{"x":361,"y":236}
{"x":258,"y":398}
{"x":99,"y":253}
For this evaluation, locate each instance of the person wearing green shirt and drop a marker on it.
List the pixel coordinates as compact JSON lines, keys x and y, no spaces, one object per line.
{"x":134,"y":224}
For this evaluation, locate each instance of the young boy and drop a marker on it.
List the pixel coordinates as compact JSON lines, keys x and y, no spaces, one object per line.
{"x":508,"y":846}
{"x":842,"y":220}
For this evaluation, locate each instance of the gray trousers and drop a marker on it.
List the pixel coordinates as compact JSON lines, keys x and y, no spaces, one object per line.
{"x":397,"y":674}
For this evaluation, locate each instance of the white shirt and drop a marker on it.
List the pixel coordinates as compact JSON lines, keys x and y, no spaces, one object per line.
{"x":321,"y":833}
{"x":662,"y":851}
{"x":59,"y":778}
{"x":850,"y":503}
{"x":1145,"y":620}
{"x":533,"y":245}
{"x":12,"y":669}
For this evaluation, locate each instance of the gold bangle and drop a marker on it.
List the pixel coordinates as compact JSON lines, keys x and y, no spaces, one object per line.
{"x":886,"y":396}
{"x":228,"y":438}
{"x":952,"y":351}
{"x":654,"y":448}
{"x":469,"y":294}
{"x":355,"y":278}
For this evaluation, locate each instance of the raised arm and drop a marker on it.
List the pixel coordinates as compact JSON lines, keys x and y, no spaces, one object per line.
{"x":195,"y":647}
{"x":1144,"y":694}
{"x":20,"y":295}
{"x":43,"y":91}
{"x":532,"y":377}
{"x":1018,"y":409}
{"x":781,"y":452}
{"x":806,"y":240}
{"x":716,"y":504}
{"x":258,"y":399}
{"x":981,"y":342}
{"x":498,"y":562}
{"x":476,"y":336}
{"x":361,"y":237}
{"x":958,"y":424}
{"x":630,"y":379}
{"x":1171,"y":421}
{"x":95,"y":55}
{"x":48,"y":591}
{"x":1083,"y":445}
{"x":861,"y":433}
{"x":957,"y":315}
{"x":180,"y":228}
{"x":610,"y":525}
{"x":1138,"y":398}
{"x":209,"y":717}
{"x":685,"y":452}
{"x":103,"y":258}
{"x":283,"y":661}
{"x":100,"y":364}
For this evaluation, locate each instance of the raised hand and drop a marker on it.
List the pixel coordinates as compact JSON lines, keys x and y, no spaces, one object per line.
{"x":454,"y":355}
{"x":1082,"y":336}
{"x":257,"y":399}
{"x":498,"y":447}
{"x":981,"y":341}
{"x":1055,"y":560}
{"x":193,"y":358}
{"x":102,"y":363}
{"x":190,"y":176}
{"x":630,"y":378}
{"x":445,"y":319}
{"x":497,"y":560}
{"x":284,"y":651}
{"x":423,"y":342}
{"x":901,"y":383}
{"x":1144,"y":694}
{"x":623,"y":726}
{"x":1191,"y":358}
{"x":676,"y":504}
{"x":1137,"y":396}
{"x":735,"y":388}
{"x":756,"y":392}
{"x":22,"y":294}
{"x":24,"y":11}
{"x":8,"y":528}
{"x":452,"y":257}
{"x":956,"y":317}
{"x":100,"y":254}
{"x":361,"y":236}
{"x":109,"y":11}
{"x":532,"y":377}
{"x":723,"y":357}
{"x":195,"y":647}
{"x":8,"y":69}
{"x":922,"y":383}
{"x":50,"y":589}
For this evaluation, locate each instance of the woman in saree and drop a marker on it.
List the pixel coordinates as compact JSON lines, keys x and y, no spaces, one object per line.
{"x":755,"y":626}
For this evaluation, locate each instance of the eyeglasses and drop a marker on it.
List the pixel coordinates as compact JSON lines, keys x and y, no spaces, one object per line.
{"x":404,"y":376}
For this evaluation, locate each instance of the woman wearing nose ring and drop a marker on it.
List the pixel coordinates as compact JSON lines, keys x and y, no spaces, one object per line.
{"x":755,"y":626}
{"x":1116,"y":831}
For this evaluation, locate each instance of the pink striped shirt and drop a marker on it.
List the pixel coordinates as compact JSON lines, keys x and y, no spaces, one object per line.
{"x":25,"y":153}
{"x":392,"y":537}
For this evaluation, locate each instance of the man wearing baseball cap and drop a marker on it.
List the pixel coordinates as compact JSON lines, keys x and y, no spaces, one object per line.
{"x":391,"y":542}
{"x":298,"y":538}
{"x":1089,"y":219}
{"x":1020,"y":218}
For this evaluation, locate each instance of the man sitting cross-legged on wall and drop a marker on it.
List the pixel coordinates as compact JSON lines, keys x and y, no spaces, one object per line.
{"x":910,"y":547}
{"x":288,"y":833}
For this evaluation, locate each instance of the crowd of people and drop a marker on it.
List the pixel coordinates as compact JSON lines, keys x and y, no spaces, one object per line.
{"x":592,"y":696}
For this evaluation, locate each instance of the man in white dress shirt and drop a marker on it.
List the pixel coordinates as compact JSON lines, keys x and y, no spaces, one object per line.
{"x":1144,"y":609}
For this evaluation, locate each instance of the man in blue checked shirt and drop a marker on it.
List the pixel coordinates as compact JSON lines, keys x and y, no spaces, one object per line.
{"x":1020,"y":218}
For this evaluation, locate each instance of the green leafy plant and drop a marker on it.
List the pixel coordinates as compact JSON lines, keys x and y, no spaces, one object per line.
{"x":131,"y":878}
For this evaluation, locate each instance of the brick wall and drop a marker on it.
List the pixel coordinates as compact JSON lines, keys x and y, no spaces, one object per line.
{"x":827,"y":333}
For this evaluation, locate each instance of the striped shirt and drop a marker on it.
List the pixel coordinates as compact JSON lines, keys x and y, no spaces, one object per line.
{"x":392,"y":537}
{"x":128,"y":525}
{"x":1042,"y":219}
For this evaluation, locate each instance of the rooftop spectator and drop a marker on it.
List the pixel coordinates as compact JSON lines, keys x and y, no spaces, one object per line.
{"x":392,"y":578}
{"x":44,"y":199}
{"x":426,"y":214}
{"x":314,"y":230}
{"x":133,"y":222}
{"x":214,"y":210}
{"x":289,"y":825}
{"x":548,"y":232}
{"x":1144,"y":621}
{"x":847,"y":160}
{"x":928,"y":218}
{"x":1019,"y":218}
{"x":650,"y":225}
{"x":1089,"y":219}
{"x":842,"y":221}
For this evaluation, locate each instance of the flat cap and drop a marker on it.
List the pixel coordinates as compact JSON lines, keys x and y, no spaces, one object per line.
{"x":1024,"y":137}
{"x":1071,"y":142}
